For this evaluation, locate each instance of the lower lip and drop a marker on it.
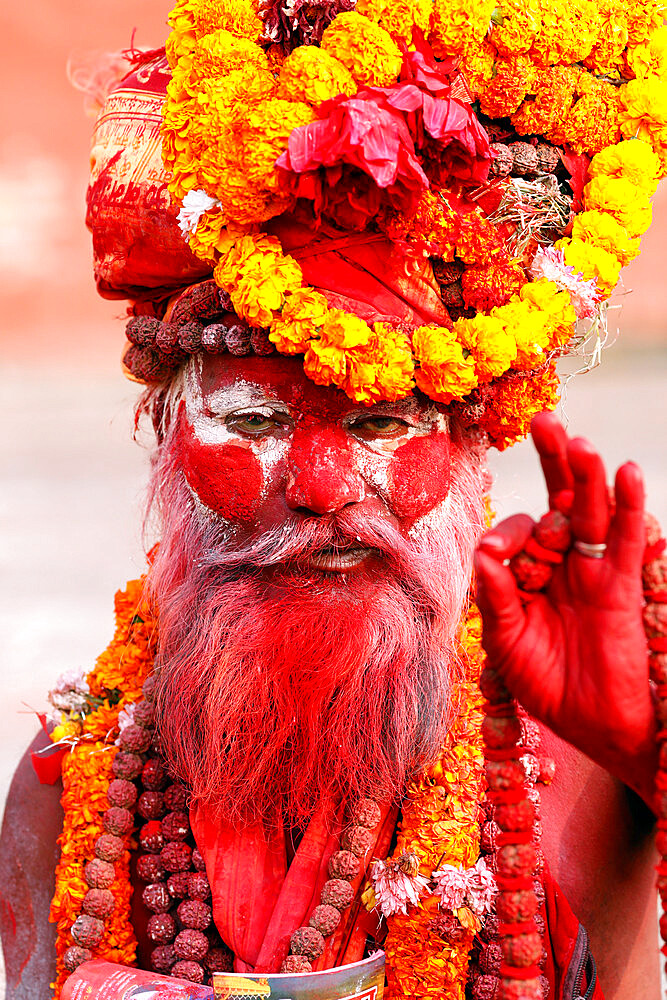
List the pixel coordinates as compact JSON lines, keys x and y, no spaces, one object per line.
{"x":337,"y":562}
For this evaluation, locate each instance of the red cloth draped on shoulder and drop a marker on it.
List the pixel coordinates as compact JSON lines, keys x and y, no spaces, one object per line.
{"x":259,"y":899}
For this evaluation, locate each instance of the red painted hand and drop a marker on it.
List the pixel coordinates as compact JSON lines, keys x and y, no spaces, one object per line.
{"x":576,"y":656}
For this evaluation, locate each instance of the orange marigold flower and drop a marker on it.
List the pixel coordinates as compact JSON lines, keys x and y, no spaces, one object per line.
{"x":325,"y":365}
{"x":605,"y":58}
{"x":477,"y":240}
{"x":382,"y":368}
{"x":568,"y":32}
{"x":513,"y":77}
{"x":554,"y":90}
{"x":477,"y":66}
{"x":491,"y":285}
{"x":594,"y":120}
{"x":440,"y":824}
{"x":516,"y":400}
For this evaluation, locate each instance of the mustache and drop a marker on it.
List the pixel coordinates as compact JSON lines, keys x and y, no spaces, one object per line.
{"x":295,"y":539}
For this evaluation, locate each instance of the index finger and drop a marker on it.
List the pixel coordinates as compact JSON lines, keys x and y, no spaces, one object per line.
{"x":550,"y":440}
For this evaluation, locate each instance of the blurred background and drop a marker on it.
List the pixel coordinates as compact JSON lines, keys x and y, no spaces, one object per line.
{"x":73,"y":479}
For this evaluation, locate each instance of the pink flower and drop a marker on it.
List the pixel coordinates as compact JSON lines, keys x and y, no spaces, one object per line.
{"x":394,"y":888}
{"x":550,"y":264}
{"x":451,"y":885}
{"x":482,"y":888}
{"x":472,"y":887}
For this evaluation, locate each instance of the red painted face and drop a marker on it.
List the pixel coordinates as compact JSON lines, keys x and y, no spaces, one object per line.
{"x":260,"y":443}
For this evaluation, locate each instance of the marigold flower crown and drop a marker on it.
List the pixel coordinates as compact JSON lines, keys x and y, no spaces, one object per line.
{"x":507,"y":150}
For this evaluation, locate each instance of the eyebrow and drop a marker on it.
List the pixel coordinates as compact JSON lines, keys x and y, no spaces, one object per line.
{"x":241,"y":393}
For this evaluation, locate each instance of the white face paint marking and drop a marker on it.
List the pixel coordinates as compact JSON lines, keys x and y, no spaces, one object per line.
{"x":433,"y":518}
{"x":208,"y":415}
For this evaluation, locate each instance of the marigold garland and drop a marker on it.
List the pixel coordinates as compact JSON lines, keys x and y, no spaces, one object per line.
{"x":115,"y":682}
{"x":440,"y":824}
{"x":581,"y":74}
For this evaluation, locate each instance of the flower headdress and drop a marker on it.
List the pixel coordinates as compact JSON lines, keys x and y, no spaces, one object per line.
{"x":505,"y":152}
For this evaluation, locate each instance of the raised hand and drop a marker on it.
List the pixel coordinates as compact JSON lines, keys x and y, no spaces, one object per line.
{"x":576,"y":656}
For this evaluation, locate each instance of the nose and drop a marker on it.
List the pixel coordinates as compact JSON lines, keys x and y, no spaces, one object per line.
{"x":323,"y":476}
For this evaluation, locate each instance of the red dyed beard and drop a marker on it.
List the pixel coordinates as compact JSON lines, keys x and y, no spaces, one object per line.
{"x":278,"y":690}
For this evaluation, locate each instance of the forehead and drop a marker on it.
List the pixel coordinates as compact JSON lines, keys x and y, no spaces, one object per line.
{"x":233,"y":381}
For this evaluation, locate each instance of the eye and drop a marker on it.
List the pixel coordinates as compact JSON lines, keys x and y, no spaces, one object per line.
{"x":380,"y":426}
{"x":255,"y":424}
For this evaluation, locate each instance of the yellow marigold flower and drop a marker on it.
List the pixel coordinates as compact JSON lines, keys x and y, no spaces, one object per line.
{"x":553,"y":302}
{"x":445,"y":372}
{"x":632,"y":160}
{"x":264,"y":135}
{"x":530,"y":328}
{"x":221,"y":101}
{"x":201,"y":17}
{"x":644,"y":112}
{"x":221,"y":52}
{"x":644,"y":16}
{"x":515,"y":24}
{"x":239,"y":169}
{"x":258,"y":276}
{"x":381,"y":369}
{"x":650,"y":58}
{"x":592,"y":262}
{"x":65,"y":729}
{"x":302,"y":319}
{"x":621,"y":199}
{"x":366,"y":49}
{"x":325,"y":365}
{"x":399,"y":17}
{"x":459,"y":26}
{"x":313,"y":75}
{"x":489,"y":341}
{"x":603,"y":230}
{"x":342,"y":329}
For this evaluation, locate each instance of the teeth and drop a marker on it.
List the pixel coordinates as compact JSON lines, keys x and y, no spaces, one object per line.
{"x":337,"y":559}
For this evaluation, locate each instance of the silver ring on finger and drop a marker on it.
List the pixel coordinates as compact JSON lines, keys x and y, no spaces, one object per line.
{"x":592,"y":550}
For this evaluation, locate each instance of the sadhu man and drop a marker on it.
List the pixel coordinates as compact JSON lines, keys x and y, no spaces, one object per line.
{"x":282,"y":751}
